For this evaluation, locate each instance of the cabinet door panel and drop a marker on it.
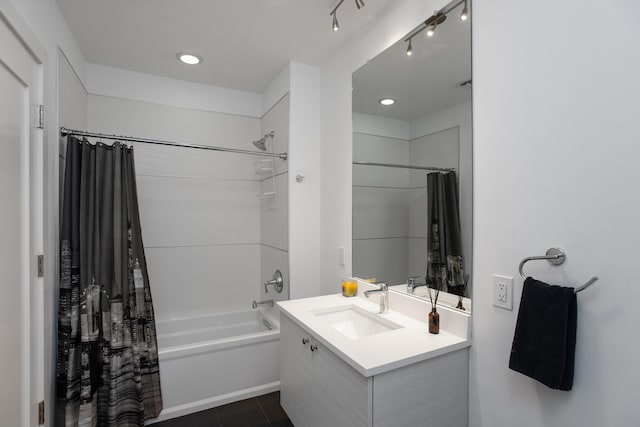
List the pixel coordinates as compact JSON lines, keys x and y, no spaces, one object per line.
{"x":295,"y":375}
{"x":340,"y":392}
{"x":432,"y":393}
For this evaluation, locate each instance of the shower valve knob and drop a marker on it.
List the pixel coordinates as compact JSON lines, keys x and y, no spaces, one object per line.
{"x":305,"y":341}
{"x":277,"y":282}
{"x":313,"y":347}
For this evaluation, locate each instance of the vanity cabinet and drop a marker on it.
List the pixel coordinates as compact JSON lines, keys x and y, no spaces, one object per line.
{"x":319,"y":389}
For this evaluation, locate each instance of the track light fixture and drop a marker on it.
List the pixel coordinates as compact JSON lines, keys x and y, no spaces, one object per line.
{"x":438,"y":17}
{"x":465,"y":13}
{"x":334,"y":25}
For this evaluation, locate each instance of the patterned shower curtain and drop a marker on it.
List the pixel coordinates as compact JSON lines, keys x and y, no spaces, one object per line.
{"x":444,"y":244}
{"x":107,"y":363}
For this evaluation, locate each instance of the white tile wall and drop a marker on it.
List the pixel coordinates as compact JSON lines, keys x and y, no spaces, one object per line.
{"x":439,"y":149}
{"x":274,"y":224}
{"x":277,"y":120}
{"x":272,"y":259}
{"x":196,"y":211}
{"x":384,"y":259}
{"x":418,"y":212}
{"x":72,"y":100}
{"x":417,"y":258}
{"x":147,"y":120}
{"x":372,"y":148}
{"x":380,"y":212}
{"x":274,"y":221}
{"x":203,"y":279}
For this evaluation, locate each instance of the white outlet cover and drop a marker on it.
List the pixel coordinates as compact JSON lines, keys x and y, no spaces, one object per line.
{"x":503,"y":291}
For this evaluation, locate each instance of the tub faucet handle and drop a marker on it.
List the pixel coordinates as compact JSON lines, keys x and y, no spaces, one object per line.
{"x":277,"y":282}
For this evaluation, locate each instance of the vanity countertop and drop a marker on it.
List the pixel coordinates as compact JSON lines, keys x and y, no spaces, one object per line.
{"x":374,"y":354}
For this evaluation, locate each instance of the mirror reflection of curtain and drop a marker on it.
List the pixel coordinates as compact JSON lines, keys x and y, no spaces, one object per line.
{"x":107,"y":363}
{"x":444,"y":242}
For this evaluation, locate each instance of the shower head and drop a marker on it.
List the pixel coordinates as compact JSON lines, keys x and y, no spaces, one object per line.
{"x":262,"y":142}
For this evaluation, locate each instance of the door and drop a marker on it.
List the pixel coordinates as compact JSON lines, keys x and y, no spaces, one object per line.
{"x":21,"y":317}
{"x":295,"y":374}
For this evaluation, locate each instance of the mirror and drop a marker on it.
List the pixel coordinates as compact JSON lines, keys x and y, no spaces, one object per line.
{"x":429,"y":125}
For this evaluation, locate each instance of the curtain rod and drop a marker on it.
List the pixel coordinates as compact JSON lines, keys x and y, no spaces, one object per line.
{"x":64,"y":132}
{"x":393,"y":165}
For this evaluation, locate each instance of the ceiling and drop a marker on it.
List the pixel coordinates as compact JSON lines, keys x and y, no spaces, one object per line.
{"x":426,"y":82}
{"x":244,"y":43}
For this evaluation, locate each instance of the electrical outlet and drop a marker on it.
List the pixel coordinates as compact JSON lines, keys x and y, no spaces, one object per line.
{"x":503,"y":291}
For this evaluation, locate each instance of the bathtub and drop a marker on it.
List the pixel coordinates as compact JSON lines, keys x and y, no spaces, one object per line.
{"x":208,"y":361}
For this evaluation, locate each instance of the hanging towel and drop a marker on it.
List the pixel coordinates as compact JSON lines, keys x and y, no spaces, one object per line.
{"x":544,"y":342}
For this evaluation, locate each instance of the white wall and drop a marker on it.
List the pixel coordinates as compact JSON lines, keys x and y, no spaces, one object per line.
{"x":556,"y":163}
{"x":305,"y":148}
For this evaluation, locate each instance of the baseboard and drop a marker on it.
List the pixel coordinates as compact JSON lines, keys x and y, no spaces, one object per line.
{"x":213,"y":402}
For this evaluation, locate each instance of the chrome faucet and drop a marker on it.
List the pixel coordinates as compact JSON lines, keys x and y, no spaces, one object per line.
{"x":412,"y":285}
{"x":255,"y":303}
{"x":384,"y":298}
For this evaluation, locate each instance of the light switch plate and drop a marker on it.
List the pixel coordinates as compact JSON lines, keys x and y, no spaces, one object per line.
{"x":503,"y":291}
{"x":341,"y":257}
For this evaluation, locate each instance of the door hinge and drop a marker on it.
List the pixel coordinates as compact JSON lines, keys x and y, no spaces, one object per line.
{"x":40,"y":265}
{"x":41,"y":413}
{"x":41,"y":116}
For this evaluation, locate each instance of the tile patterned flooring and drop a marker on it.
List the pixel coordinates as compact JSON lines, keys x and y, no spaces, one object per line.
{"x":261,"y":411}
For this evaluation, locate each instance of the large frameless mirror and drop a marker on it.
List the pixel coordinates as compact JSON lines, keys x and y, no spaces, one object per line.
{"x":412,"y":152}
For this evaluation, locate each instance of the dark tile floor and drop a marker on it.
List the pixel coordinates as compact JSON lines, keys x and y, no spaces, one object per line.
{"x":261,"y":411}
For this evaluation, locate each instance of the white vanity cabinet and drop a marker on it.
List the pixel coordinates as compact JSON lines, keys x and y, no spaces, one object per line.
{"x":319,"y":389}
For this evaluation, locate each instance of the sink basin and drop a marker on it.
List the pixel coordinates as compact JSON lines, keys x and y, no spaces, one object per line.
{"x":354,"y":322}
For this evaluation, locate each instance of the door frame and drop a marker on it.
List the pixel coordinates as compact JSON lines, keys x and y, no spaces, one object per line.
{"x":40,"y":296}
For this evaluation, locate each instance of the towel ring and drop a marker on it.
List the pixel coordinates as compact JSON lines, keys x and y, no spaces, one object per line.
{"x":555,"y":256}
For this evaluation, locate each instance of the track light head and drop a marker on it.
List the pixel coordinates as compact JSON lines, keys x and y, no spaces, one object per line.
{"x":436,"y":19}
{"x":431,"y":30}
{"x":335,"y":27}
{"x":465,"y":13}
{"x":409,"y":51}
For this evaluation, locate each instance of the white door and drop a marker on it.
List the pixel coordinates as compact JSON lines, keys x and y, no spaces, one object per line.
{"x":21,"y":340}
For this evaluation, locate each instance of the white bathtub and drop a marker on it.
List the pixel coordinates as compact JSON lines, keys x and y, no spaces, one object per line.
{"x":208,"y":361}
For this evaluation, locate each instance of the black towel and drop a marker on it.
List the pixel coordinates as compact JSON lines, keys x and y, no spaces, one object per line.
{"x":544,"y":342}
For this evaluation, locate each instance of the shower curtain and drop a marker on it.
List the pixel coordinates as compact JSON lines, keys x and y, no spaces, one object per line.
{"x":444,"y":244}
{"x":107,"y":362}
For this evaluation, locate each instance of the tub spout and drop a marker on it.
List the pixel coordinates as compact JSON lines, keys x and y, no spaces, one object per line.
{"x":255,"y":303}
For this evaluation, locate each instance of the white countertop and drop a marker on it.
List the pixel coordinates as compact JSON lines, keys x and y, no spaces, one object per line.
{"x":378,"y":353}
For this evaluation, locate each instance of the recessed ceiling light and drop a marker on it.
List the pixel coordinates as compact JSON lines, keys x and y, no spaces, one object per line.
{"x":387,"y":101}
{"x":189,"y":58}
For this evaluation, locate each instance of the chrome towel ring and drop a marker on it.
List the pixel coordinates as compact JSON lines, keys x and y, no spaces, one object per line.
{"x":555,"y":256}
